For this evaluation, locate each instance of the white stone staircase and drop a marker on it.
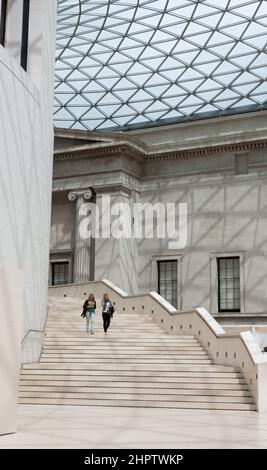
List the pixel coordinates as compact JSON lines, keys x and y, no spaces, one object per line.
{"x":137,"y":364}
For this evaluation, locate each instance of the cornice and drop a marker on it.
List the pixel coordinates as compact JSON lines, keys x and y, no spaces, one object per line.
{"x":101,"y":151}
{"x":142,"y":155}
{"x":204,"y":152}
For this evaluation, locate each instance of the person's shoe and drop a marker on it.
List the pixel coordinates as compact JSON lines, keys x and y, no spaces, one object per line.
{"x":106,"y":332}
{"x":92,"y":332}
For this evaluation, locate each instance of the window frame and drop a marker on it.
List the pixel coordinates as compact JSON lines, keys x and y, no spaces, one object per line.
{"x":154,"y":274}
{"x":25,"y":34}
{"x":61,"y":262}
{"x":214,"y":301}
{"x":3,"y":19}
{"x":219,"y":259}
{"x":159,"y":263}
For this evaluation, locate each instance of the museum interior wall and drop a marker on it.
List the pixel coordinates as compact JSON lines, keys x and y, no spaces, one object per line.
{"x":26,"y":151}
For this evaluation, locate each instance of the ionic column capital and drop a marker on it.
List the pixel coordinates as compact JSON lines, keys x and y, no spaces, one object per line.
{"x":86,"y":194}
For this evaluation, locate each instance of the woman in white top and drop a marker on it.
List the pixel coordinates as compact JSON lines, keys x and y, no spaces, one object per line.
{"x":107,"y":311}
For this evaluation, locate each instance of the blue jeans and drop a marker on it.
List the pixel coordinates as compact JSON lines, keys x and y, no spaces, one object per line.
{"x":90,"y":320}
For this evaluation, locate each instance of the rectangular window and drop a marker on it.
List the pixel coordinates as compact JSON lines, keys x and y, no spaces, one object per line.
{"x":229,"y":284}
{"x":60,"y":273}
{"x":3,"y":15}
{"x":167,"y":280}
{"x":25,"y":34}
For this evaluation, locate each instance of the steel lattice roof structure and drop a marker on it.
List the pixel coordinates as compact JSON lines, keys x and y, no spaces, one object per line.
{"x":123,"y":64}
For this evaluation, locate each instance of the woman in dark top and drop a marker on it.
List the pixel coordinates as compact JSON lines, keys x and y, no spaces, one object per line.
{"x":89,"y":308}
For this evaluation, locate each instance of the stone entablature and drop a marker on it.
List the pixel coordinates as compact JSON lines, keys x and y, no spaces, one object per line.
{"x":224,"y":185}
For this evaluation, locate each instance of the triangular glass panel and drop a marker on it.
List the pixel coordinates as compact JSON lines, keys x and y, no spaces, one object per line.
{"x":261,"y":88}
{"x":245,"y":89}
{"x":262,"y":11}
{"x":78,"y":100}
{"x":139,"y":119}
{"x":226,"y":79}
{"x":157,"y":91}
{"x":124,"y":95}
{"x":109,"y":98}
{"x":174,"y":101}
{"x":173,"y":114}
{"x":190,"y":74}
{"x":153,"y":63}
{"x":247,"y":10}
{"x":124,"y":84}
{"x":184,"y":11}
{"x":204,"y":10}
{"x":165,"y":47}
{"x":192,"y":101}
{"x":226,"y":103}
{"x":208,"y":108}
{"x":192,"y":86}
{"x":174,"y":90}
{"x":236,"y":31}
{"x":260,"y":72}
{"x":244,"y":61}
{"x":122,"y":68}
{"x":125,"y":110}
{"x":190,"y":109}
{"x":261,"y":60}
{"x":244,"y":78}
{"x":154,"y":116}
{"x":91,"y":124}
{"x":211,"y":21}
{"x":226,"y":67}
{"x":140,"y":106}
{"x":208,"y":68}
{"x":222,"y":50}
{"x":93,"y":113}
{"x":209,"y":84}
{"x":200,"y":40}
{"x":137,"y":68}
{"x":243,"y":102}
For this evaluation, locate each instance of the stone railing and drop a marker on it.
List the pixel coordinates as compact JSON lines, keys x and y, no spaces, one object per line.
{"x":236,"y":350}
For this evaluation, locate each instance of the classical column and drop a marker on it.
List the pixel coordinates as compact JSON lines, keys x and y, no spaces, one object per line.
{"x":84,"y":247}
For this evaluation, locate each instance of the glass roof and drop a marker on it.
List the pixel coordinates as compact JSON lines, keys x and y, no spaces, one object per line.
{"x":137,"y":63}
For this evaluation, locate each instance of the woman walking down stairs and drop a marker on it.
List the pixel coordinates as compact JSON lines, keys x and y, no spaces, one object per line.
{"x":137,"y":365}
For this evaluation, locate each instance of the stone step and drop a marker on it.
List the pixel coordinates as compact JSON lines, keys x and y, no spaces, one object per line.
{"x":116,"y":334}
{"x":116,"y":321}
{"x":141,"y":403}
{"x":121,"y":352}
{"x":136,"y":375}
{"x":109,"y":382}
{"x":114,"y":347}
{"x":130,"y":389}
{"x":137,"y":364}
{"x":120,"y":322}
{"x":110,"y":353}
{"x":115,"y":326}
{"x":135,"y":396}
{"x":114,"y":360}
{"x":131,"y":368}
{"x":141,"y":337}
{"x":103,"y":340}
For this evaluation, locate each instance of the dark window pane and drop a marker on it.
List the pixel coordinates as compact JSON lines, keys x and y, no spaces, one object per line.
{"x":3,"y":17}
{"x":60,"y":273}
{"x":229,"y":284}
{"x":167,"y":281}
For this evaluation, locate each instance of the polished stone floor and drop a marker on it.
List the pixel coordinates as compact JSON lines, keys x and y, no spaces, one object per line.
{"x":95,"y":427}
